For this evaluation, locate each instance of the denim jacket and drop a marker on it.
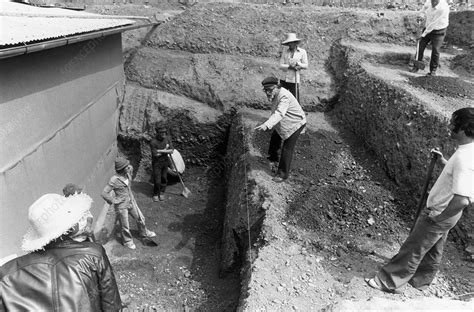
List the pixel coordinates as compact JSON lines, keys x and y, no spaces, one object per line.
{"x":123,"y":198}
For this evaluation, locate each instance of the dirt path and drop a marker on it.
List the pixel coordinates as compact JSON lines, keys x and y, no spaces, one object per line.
{"x":180,"y":274}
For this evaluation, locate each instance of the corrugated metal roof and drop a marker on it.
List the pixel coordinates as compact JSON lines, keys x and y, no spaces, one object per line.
{"x":21,"y":23}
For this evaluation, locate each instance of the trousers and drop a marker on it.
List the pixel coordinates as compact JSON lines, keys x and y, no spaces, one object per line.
{"x":292,"y":87}
{"x":160,"y":178}
{"x":436,"y":37}
{"x":419,"y":257}
{"x":287,"y":150}
{"x":123,"y":216}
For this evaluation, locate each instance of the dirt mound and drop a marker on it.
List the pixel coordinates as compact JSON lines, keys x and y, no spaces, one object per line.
{"x":445,"y":86}
{"x":258,"y":29}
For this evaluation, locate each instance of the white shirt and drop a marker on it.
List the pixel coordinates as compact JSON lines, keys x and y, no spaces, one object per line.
{"x":457,"y":178}
{"x":437,"y":17}
{"x":300,"y":57}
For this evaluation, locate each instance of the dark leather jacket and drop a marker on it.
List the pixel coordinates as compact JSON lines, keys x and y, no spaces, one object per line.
{"x":66,"y":276}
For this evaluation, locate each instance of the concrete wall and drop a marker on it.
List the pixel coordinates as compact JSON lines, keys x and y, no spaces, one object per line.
{"x":58,"y":124}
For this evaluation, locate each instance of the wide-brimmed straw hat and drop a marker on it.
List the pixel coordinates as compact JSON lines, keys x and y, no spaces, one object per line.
{"x":290,"y":37}
{"x":51,"y":216}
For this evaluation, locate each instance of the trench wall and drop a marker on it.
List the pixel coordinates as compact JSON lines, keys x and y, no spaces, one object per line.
{"x":397,"y":126}
{"x":243,"y":211}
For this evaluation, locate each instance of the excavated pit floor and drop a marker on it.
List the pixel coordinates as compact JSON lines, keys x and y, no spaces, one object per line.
{"x":182,"y":272}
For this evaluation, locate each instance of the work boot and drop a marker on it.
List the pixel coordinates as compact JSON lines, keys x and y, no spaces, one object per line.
{"x":414,"y":70}
{"x":156,"y":198}
{"x":433,"y":73}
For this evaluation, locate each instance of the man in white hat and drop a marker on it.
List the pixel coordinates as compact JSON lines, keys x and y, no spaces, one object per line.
{"x":62,"y":272}
{"x":292,"y":61}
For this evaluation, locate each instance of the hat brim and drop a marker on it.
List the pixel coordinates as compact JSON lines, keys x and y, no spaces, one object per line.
{"x":76,"y":205}
{"x":289,"y":41}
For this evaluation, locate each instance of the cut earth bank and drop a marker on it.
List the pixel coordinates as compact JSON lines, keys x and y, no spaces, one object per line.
{"x":314,"y":238}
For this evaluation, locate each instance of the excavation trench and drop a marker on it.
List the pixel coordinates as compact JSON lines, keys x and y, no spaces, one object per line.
{"x":242,"y":241}
{"x":345,"y":210}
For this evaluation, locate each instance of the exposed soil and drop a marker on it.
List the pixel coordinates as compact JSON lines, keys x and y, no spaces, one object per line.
{"x":445,"y":86}
{"x":344,"y":218}
{"x":182,"y":272}
{"x":341,"y":216}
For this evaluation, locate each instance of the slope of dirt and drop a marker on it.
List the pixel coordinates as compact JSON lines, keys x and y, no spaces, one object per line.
{"x":337,"y":220}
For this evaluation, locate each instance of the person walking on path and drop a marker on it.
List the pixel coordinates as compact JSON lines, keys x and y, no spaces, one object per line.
{"x":419,"y":257}
{"x":288,"y":120}
{"x":160,"y":150}
{"x":61,"y":272}
{"x":292,"y":61}
{"x":124,"y":202}
{"x":437,"y":21}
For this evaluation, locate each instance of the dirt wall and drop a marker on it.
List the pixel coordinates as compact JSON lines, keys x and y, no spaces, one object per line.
{"x":198,"y":131}
{"x":243,"y":212}
{"x":461,"y":28}
{"x":395,"y":124}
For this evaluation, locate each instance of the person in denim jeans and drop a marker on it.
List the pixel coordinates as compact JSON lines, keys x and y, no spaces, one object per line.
{"x":420,"y":256}
{"x":124,"y":202}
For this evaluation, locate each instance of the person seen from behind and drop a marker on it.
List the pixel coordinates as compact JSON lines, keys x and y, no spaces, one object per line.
{"x":61,"y":271}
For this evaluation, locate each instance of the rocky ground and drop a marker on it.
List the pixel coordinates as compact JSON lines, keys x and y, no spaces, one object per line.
{"x":338,"y":218}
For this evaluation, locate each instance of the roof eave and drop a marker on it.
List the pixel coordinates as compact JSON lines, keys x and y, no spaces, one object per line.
{"x":49,"y":44}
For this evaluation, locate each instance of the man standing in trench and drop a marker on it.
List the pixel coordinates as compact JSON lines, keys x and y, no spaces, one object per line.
{"x":292,"y":61}
{"x":288,"y":119}
{"x":419,"y":257}
{"x":437,"y":21}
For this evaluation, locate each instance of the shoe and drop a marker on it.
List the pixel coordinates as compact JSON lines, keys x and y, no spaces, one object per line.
{"x":278,"y":179}
{"x":414,"y":70}
{"x":150,"y":233}
{"x":161,"y":198}
{"x":130,"y":245}
{"x":373,"y":283}
{"x":156,"y":198}
{"x":433,"y":73}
